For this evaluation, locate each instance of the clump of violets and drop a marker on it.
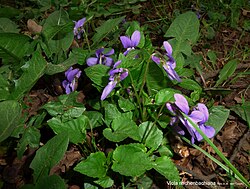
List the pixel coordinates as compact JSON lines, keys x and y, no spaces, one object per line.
{"x":168,"y":65}
{"x":101,"y":58}
{"x":78,"y":29}
{"x":70,"y":83}
{"x":115,"y":75}
{"x":131,"y":43}
{"x":198,"y":115}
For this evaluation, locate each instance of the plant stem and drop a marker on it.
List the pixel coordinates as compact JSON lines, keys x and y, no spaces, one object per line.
{"x":137,"y":96}
{"x":87,"y":40}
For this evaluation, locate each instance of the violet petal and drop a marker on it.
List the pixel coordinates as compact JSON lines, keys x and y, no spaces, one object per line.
{"x":108,"y":61}
{"x":168,"y":47}
{"x":156,"y":59}
{"x":71,"y":75}
{"x":135,"y":38}
{"x":181,"y":103}
{"x":98,"y":52}
{"x":107,"y":90}
{"x":126,"y":52}
{"x":171,"y":73}
{"x":117,"y":63}
{"x":64,"y":83}
{"x":80,"y":23}
{"x":196,"y":116}
{"x":123,"y":75}
{"x":126,"y":42}
{"x":92,"y":61}
{"x":202,"y":107}
{"x":112,"y":51}
{"x":68,"y":71}
{"x":114,"y":71}
{"x":209,"y":131}
{"x":170,"y":108}
{"x":179,"y":130}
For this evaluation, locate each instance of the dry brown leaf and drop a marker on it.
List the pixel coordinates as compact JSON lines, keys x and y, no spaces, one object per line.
{"x":34,"y":27}
{"x":228,"y":132}
{"x":74,"y":44}
{"x":74,"y":187}
{"x":70,"y":157}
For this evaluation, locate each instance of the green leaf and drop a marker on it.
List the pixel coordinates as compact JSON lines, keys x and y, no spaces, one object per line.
{"x":136,"y":26}
{"x":81,"y":55}
{"x":246,"y":25}
{"x":167,"y":168}
{"x":150,"y":135}
{"x":194,"y":62}
{"x":36,"y":120}
{"x":66,"y":105}
{"x":95,"y":119}
{"x":10,"y":113}
{"x":165,"y":95}
{"x":94,"y":166}
{"x":44,"y":4}
{"x":58,"y":31}
{"x":212,"y":57}
{"x":180,"y":46}
{"x":13,"y":46}
{"x":184,"y":27}
{"x":49,"y":155}
{"x":56,"y":46}
{"x":129,"y":61}
{"x":165,"y":150}
{"x":121,"y":128}
{"x":190,"y":84}
{"x":243,"y":111}
{"x":31,"y":137}
{"x":58,"y":23}
{"x":235,"y":16}
{"x":98,"y":74}
{"x":126,"y":104}
{"x":227,"y":71}
{"x":137,"y":73}
{"x":89,"y":186}
{"x":106,"y":28}
{"x":155,"y":78}
{"x":52,"y":69}
{"x":51,"y":182}
{"x":131,"y":160}
{"x":143,"y":183}
{"x":217,"y":117}
{"x":33,"y":70}
{"x":111,"y":112}
{"x":7,"y":26}
{"x":9,"y":12}
{"x":105,"y":182}
{"x":75,"y":128}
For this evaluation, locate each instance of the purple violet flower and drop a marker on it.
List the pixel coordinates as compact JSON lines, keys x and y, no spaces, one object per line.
{"x":78,"y":29}
{"x":116,"y":75}
{"x":168,"y":65}
{"x":71,"y":77}
{"x":101,"y":58}
{"x":130,"y":43}
{"x":199,"y":115}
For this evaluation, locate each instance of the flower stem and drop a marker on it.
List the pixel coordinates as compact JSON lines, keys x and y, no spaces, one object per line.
{"x":137,"y":96}
{"x":87,"y":40}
